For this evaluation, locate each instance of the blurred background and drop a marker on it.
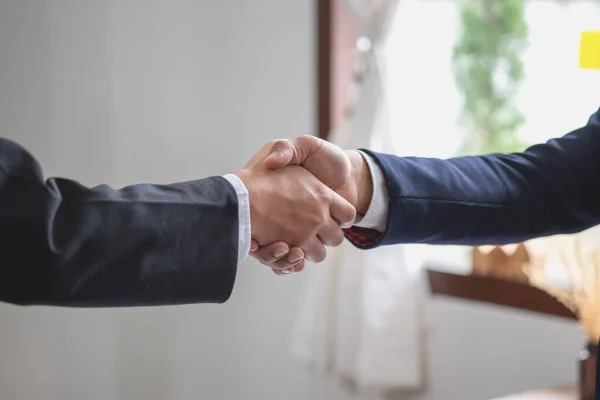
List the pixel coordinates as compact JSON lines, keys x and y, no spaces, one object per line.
{"x":130,"y":91}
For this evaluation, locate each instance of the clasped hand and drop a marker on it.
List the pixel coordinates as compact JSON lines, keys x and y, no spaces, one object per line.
{"x":302,"y":193}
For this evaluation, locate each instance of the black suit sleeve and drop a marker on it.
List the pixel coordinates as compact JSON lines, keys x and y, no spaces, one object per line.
{"x":64,"y":244}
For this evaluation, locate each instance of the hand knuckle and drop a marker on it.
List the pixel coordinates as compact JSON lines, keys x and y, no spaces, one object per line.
{"x":323,"y":218}
{"x":349,"y":218}
{"x":316,"y":220}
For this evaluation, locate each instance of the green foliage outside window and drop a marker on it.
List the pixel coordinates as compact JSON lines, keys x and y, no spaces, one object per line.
{"x":488,"y":70}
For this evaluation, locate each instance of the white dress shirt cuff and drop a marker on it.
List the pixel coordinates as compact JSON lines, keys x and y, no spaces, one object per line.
{"x":376,"y":216}
{"x":243,"y":216}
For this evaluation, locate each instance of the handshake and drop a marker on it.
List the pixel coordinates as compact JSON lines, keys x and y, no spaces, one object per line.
{"x":302,"y":193}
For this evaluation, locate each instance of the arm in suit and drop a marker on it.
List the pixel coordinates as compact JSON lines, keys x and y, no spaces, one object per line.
{"x":65,"y":244}
{"x":550,"y":188}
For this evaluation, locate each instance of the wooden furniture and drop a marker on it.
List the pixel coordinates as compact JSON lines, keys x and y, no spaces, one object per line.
{"x":507,"y":294}
{"x":565,"y":393}
{"x":496,"y":291}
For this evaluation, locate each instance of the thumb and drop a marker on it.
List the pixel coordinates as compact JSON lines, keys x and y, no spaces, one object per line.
{"x":281,"y":154}
{"x":292,"y":152}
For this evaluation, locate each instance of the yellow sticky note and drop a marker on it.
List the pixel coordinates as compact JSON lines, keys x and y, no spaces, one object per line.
{"x":589,"y":50}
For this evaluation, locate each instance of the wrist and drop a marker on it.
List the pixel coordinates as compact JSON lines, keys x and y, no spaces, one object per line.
{"x":245,"y":176}
{"x":242,"y":175}
{"x":363,"y":180}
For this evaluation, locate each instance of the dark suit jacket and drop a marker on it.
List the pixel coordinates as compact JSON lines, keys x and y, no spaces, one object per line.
{"x":65,"y":244}
{"x":550,"y":188}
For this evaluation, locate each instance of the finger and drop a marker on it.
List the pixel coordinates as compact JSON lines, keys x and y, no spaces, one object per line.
{"x":295,"y":256}
{"x":342,"y":211}
{"x":253,"y":245}
{"x":293,"y":151}
{"x":282,"y":153}
{"x":331,"y":234}
{"x":270,"y":253}
{"x":299,"y":267}
{"x":314,"y":250}
{"x":282,"y":271}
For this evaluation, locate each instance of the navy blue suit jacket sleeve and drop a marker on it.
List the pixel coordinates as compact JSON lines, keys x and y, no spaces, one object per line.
{"x":550,"y":188}
{"x":65,"y":244}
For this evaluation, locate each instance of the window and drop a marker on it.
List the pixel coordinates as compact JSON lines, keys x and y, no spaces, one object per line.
{"x":429,"y":117}
{"x":428,"y":78}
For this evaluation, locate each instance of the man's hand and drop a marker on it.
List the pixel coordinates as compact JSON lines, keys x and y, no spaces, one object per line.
{"x":346,"y":172}
{"x":292,"y":206}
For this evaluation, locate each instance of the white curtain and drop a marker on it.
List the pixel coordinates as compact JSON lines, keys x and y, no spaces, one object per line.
{"x":361,"y":318}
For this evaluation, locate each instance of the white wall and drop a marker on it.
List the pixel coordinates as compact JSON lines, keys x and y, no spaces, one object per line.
{"x":135,"y":90}
{"x":479,"y":351}
{"x":124,"y":91}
